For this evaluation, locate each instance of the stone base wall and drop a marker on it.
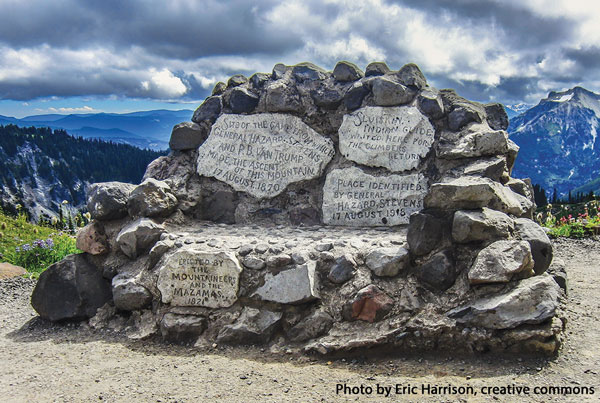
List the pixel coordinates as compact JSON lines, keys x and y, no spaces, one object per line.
{"x":323,"y":211}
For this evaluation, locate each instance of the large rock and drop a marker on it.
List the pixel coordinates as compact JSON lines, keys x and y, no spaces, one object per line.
{"x":481,"y":225}
{"x":8,"y":270}
{"x":70,"y":289}
{"x":370,"y":304}
{"x":178,"y":328}
{"x":438,"y":272}
{"x":424,"y":233}
{"x":92,"y":239}
{"x":376,"y":69}
{"x":474,"y":144}
{"x":293,"y":286}
{"x":387,"y":92}
{"x":139,"y":236}
{"x":473,"y":193}
{"x":187,"y":136}
{"x":355,"y":95}
{"x":128,"y":294}
{"x":346,"y":71}
{"x":387,"y":262}
{"x":312,"y":326}
{"x":498,"y":262}
{"x":496,"y":116}
{"x":541,"y":248}
{"x":252,"y":327}
{"x":209,"y":110}
{"x":282,"y":96}
{"x":411,"y":75}
{"x":431,"y":103}
{"x":108,"y":200}
{"x":463,"y":114}
{"x":533,"y":300}
{"x":308,"y":72}
{"x":242,"y":101}
{"x":150,"y":199}
{"x":342,"y":270}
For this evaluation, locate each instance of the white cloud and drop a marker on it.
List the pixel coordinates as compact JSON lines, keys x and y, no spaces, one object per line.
{"x":65,"y":111}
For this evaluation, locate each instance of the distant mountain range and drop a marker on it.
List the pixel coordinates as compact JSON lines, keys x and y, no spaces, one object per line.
{"x":559,"y":142}
{"x":148,"y":129}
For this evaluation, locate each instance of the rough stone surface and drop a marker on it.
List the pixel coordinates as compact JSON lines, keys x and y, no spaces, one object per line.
{"x":187,"y":136}
{"x":395,"y":138}
{"x":209,"y":110}
{"x":108,"y":200}
{"x":431,"y":103}
{"x":70,"y":289}
{"x":354,"y":198}
{"x":533,"y":300}
{"x":252,"y":327}
{"x":220,"y":207}
{"x":496,"y":116}
{"x":541,"y":247}
{"x":139,"y":236}
{"x":481,"y":225}
{"x":387,"y":262}
{"x":308,"y":72}
{"x":92,"y":239}
{"x":376,"y":69}
{"x":8,"y":270}
{"x":438,"y":272}
{"x":424,"y":233}
{"x":281,"y":148}
{"x":498,"y":262}
{"x":342,"y":270}
{"x":462,"y":115}
{"x":237,"y":80}
{"x":473,"y":193}
{"x":355,"y":95}
{"x":411,"y":75}
{"x":370,"y":304}
{"x":312,"y":326}
{"x":387,"y":92}
{"x":152,"y":198}
{"x":475,"y":144}
{"x":253,"y":262}
{"x":346,"y":71}
{"x":192,"y":277}
{"x":293,"y":286}
{"x":182,"y":328}
{"x":282,"y":96}
{"x":278,"y":261}
{"x":242,"y":100}
{"x":128,"y":294}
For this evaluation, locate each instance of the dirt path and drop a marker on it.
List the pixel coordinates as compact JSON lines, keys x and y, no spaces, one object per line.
{"x":44,"y":362}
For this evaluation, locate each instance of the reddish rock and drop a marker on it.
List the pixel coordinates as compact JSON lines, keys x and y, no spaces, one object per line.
{"x":92,"y":239}
{"x":8,"y":270}
{"x":370,"y":304}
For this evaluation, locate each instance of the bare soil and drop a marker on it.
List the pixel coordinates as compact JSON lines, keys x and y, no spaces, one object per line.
{"x":45,"y":362}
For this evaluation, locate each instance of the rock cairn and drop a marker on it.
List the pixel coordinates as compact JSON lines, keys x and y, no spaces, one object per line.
{"x":322,"y":211}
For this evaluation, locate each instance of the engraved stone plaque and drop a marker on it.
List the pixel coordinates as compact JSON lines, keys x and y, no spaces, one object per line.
{"x":263,"y":153}
{"x":199,"y":278}
{"x":395,"y":138}
{"x":354,"y":198}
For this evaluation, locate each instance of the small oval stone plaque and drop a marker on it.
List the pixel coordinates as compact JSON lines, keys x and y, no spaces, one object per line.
{"x":199,"y":278}
{"x":263,"y":153}
{"x":395,"y":138}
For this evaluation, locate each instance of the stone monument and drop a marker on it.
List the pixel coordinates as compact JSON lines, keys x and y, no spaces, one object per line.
{"x":322,"y":212}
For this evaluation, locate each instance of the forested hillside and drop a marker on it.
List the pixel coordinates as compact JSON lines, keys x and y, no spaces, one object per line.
{"x":40,"y":167}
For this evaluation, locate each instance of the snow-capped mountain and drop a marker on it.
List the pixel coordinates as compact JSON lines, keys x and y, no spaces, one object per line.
{"x":559,"y":141}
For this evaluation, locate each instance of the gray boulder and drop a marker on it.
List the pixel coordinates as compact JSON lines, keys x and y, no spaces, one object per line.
{"x":327,"y":96}
{"x":253,"y":262}
{"x":242,"y":101}
{"x":438,"y":272}
{"x":237,"y":80}
{"x":346,"y":71}
{"x":376,"y":69}
{"x":259,"y":80}
{"x":70,"y":289}
{"x":541,"y":247}
{"x":431,"y":103}
{"x":128,"y":294}
{"x":307,"y":72}
{"x":533,"y":300}
{"x":182,"y":328}
{"x":390,"y":93}
{"x":108,"y":200}
{"x":282,"y":96}
{"x":475,"y":143}
{"x":355,"y":95}
{"x":139,"y":236}
{"x":342,"y":270}
{"x":424,"y":233}
{"x":280,"y":70}
{"x":293,"y":286}
{"x":187,"y":136}
{"x":481,"y":225}
{"x":496,"y":116}
{"x":411,"y":75}
{"x":312,"y":326}
{"x":498,"y":262}
{"x":387,"y":262}
{"x":150,"y":199}
{"x":209,"y":110}
{"x":462,"y":115}
{"x":252,"y":327}
{"x":472,"y":193}
{"x":219,"y":88}
{"x":92,"y":239}
{"x":511,"y":155}
{"x":494,"y":168}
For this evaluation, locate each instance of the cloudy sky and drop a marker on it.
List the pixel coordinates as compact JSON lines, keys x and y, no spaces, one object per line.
{"x":65,"y":56}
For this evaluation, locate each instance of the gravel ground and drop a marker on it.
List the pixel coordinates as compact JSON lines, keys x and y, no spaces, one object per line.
{"x":41,"y":361}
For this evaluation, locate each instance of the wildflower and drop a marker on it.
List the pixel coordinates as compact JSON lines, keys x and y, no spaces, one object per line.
{"x":17,"y":249}
{"x":539,"y":217}
{"x":50,"y":243}
{"x":26,"y":247}
{"x":549,"y":206}
{"x":65,"y":202}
